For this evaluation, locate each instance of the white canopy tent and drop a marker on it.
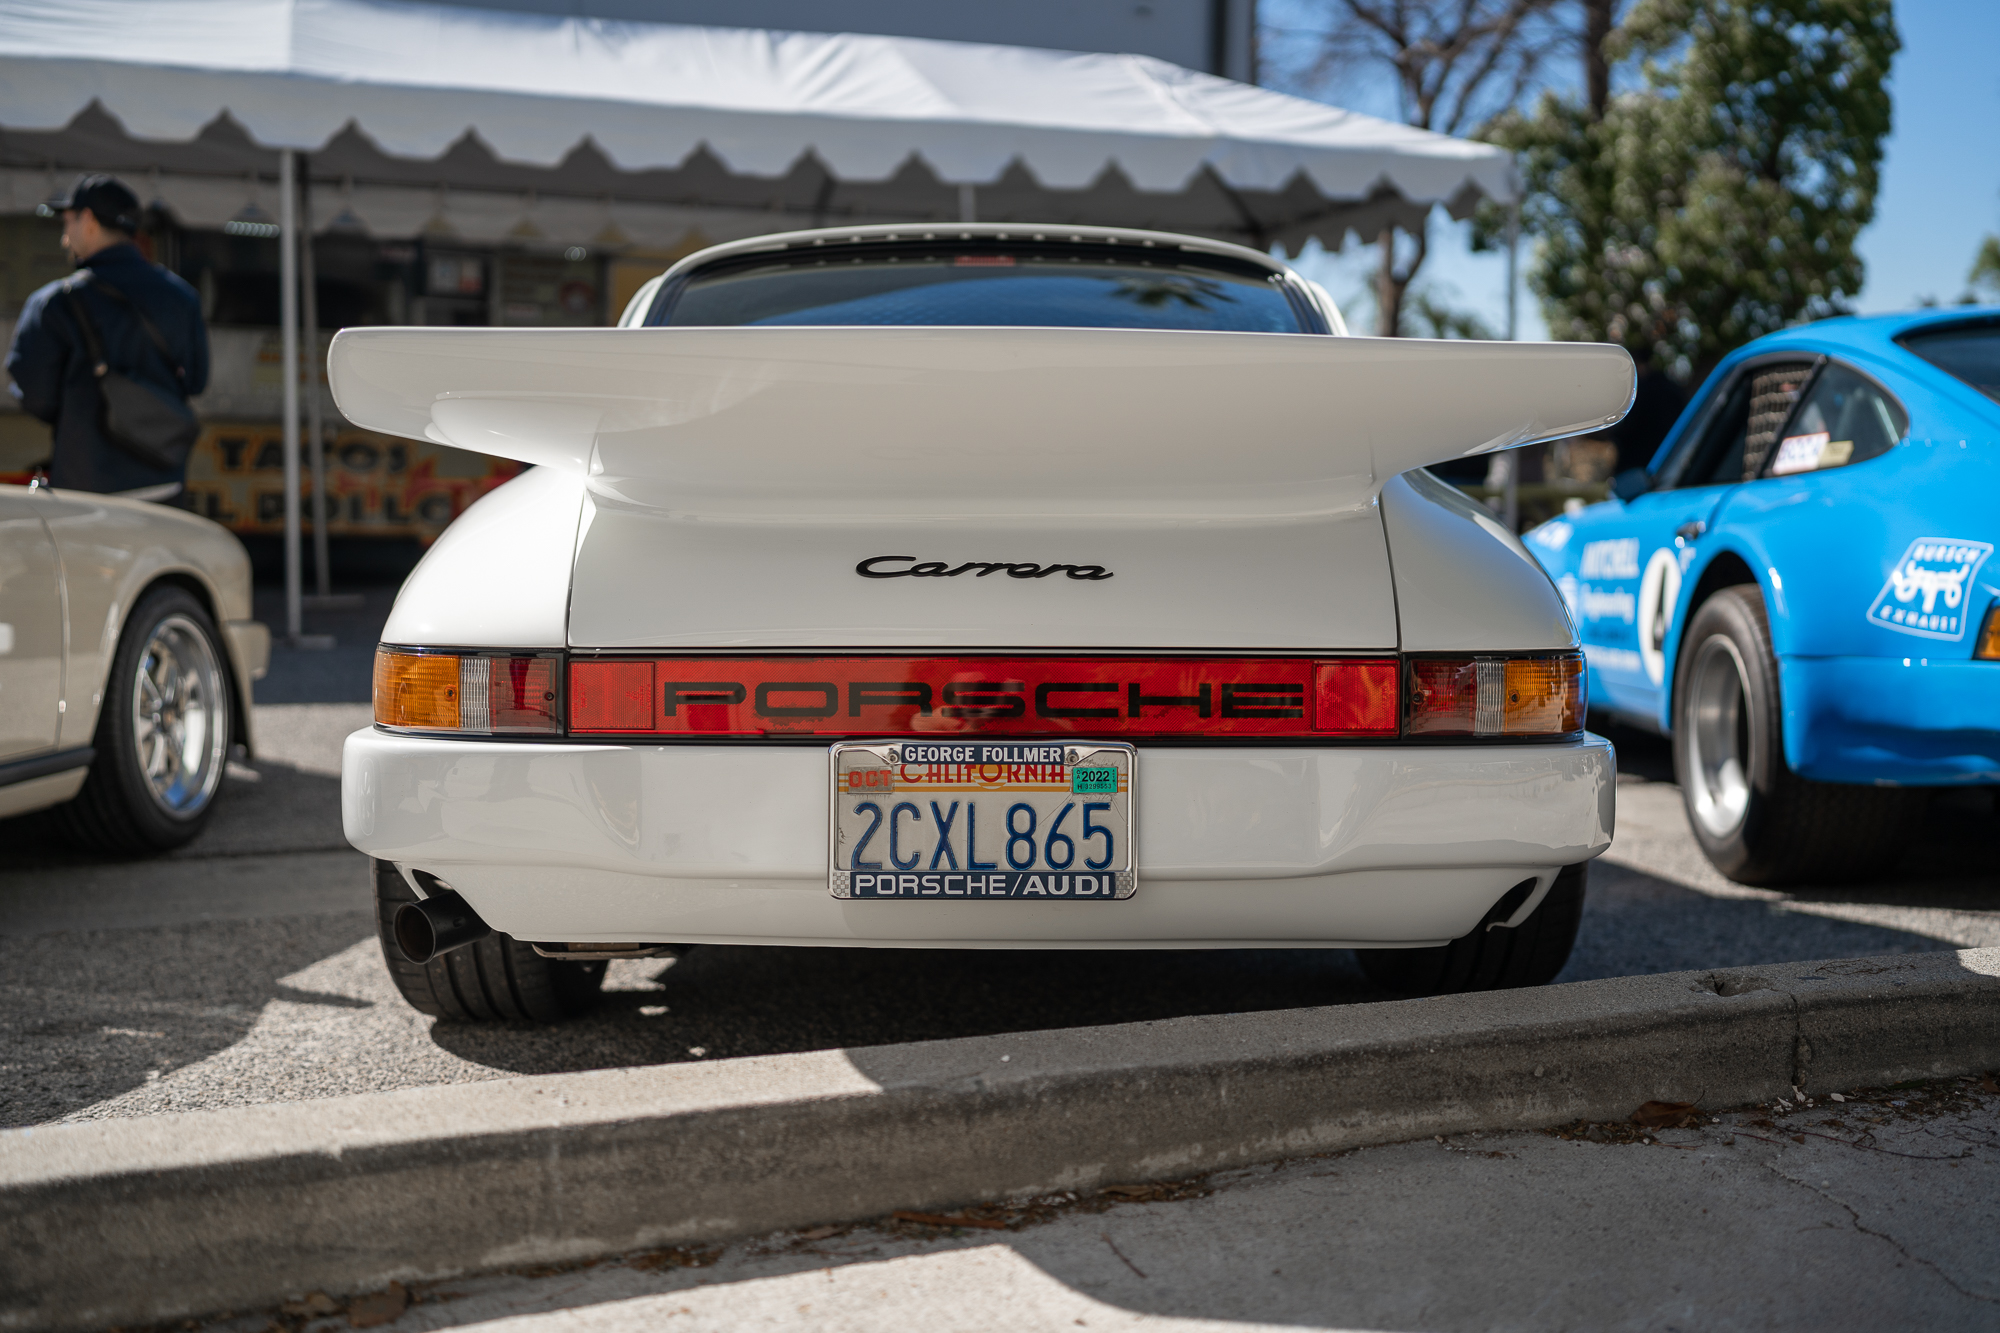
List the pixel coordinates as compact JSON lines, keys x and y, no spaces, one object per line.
{"x":489,"y":125}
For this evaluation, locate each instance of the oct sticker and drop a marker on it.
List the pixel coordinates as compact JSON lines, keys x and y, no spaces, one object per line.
{"x":1093,"y":781}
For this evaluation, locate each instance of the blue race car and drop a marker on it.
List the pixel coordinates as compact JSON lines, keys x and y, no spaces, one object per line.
{"x":1799,"y":589}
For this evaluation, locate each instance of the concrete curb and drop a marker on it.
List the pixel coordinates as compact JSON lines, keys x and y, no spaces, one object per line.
{"x":135,"y":1221}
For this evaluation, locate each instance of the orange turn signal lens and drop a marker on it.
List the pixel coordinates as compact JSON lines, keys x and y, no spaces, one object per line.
{"x":416,"y":690}
{"x":1541,"y":695}
{"x":1988,"y":646}
{"x":481,"y":694}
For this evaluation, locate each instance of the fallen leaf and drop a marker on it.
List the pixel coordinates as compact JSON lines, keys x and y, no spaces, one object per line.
{"x":819,"y":1233}
{"x":1129,"y":1191}
{"x":952,"y":1220}
{"x":313,"y":1303}
{"x":378,"y":1308}
{"x":1665,"y":1115}
{"x":1798,"y":1138}
{"x":1989,"y":1082}
{"x":678,"y":1256}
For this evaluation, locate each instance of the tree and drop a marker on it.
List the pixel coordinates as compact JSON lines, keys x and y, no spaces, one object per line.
{"x":1985,"y":275}
{"x":1721,"y":200}
{"x":1454,"y":64}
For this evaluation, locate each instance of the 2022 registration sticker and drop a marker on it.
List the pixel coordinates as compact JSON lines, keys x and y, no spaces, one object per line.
{"x":956,"y":820}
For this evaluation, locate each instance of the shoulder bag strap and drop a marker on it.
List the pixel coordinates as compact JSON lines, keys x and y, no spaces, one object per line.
{"x":152,"y":331}
{"x":92,"y":344}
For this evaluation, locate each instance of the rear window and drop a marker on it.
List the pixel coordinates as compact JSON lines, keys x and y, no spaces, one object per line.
{"x":1970,"y":352}
{"x":984,"y":287}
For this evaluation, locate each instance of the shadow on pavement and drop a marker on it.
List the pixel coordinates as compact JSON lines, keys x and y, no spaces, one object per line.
{"x":721,"y":1001}
{"x":104,"y":1012}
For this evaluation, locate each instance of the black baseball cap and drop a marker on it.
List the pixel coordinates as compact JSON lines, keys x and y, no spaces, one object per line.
{"x":104,"y":196}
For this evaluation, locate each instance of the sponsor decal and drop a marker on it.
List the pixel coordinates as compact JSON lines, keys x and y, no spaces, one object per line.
{"x":1926,"y":591}
{"x":1659,"y":590}
{"x":883,"y":567}
{"x":1603,"y":656}
{"x":1608,"y":604}
{"x":1552,"y":536}
{"x":1615,"y":559}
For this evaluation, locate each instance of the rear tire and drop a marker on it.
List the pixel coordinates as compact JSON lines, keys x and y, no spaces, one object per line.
{"x":163,"y":733}
{"x":1530,"y":954}
{"x":499,"y":979}
{"x":1757,"y":821}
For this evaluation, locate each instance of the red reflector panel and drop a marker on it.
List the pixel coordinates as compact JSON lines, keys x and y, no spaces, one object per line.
{"x":611,"y":696}
{"x":944,"y":696}
{"x":1356,"y":697}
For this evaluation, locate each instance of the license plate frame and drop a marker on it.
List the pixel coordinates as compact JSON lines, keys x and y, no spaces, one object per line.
{"x":954,"y":772}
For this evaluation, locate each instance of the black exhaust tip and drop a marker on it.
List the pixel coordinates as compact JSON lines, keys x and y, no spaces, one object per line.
{"x":438,"y":924}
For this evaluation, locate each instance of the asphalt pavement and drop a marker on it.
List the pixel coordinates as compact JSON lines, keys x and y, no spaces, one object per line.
{"x":244,"y":968}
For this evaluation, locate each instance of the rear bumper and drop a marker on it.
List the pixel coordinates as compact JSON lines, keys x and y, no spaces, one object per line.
{"x":1892,"y":721}
{"x":1239,"y":847}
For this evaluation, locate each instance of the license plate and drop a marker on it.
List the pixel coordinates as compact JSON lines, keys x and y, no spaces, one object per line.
{"x":952,"y":820}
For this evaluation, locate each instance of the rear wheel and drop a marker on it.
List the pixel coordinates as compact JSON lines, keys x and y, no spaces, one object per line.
{"x":163,"y":732}
{"x":1756,"y":820}
{"x":499,"y":979}
{"x":1492,"y":957}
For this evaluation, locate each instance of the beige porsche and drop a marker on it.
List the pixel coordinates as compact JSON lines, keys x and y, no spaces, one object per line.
{"x":127,"y":650}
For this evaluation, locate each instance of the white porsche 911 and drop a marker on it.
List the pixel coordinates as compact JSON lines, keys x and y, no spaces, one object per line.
{"x":989,"y":587}
{"x":127,"y":650}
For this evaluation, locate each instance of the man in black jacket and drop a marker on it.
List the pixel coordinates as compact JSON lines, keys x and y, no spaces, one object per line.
{"x":53,"y":373}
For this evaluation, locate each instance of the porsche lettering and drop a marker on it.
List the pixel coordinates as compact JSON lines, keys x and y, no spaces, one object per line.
{"x":930,"y":696}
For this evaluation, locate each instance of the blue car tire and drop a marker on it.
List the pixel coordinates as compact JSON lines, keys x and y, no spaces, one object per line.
{"x":1756,"y":820}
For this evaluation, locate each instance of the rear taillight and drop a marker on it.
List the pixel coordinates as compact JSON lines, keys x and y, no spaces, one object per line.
{"x":1987,"y":646}
{"x":1542,"y":695}
{"x":478,"y":694}
{"x":1246,"y":698}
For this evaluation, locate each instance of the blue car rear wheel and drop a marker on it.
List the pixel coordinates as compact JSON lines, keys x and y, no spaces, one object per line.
{"x":1756,"y":820}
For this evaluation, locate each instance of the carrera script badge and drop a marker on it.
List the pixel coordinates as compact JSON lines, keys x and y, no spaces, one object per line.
{"x":885,"y":567}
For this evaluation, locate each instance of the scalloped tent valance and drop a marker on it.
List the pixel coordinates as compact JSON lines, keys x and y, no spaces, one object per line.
{"x":881,"y":127}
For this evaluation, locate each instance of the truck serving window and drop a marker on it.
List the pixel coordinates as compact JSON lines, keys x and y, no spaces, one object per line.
{"x":985,"y":286}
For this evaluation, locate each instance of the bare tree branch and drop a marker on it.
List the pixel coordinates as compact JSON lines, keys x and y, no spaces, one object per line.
{"x":1455,"y":64}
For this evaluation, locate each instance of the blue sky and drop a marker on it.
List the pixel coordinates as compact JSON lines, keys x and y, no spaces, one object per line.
{"x":1940,"y":188}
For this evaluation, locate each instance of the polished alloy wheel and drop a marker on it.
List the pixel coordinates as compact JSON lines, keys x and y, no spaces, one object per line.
{"x":180,"y":717}
{"x":1717,"y":718}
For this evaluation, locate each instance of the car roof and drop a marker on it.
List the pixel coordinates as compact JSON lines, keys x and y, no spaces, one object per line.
{"x":1865,"y":333}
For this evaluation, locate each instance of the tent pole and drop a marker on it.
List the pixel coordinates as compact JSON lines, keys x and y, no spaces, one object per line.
{"x":1513,"y":269}
{"x":968,"y":204}
{"x":309,"y":372}
{"x":288,"y":317}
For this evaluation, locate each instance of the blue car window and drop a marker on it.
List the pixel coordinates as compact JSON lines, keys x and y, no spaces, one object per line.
{"x":985,"y":289}
{"x":1967,"y":352}
{"x":1844,"y":419}
{"x":1735,"y":436}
